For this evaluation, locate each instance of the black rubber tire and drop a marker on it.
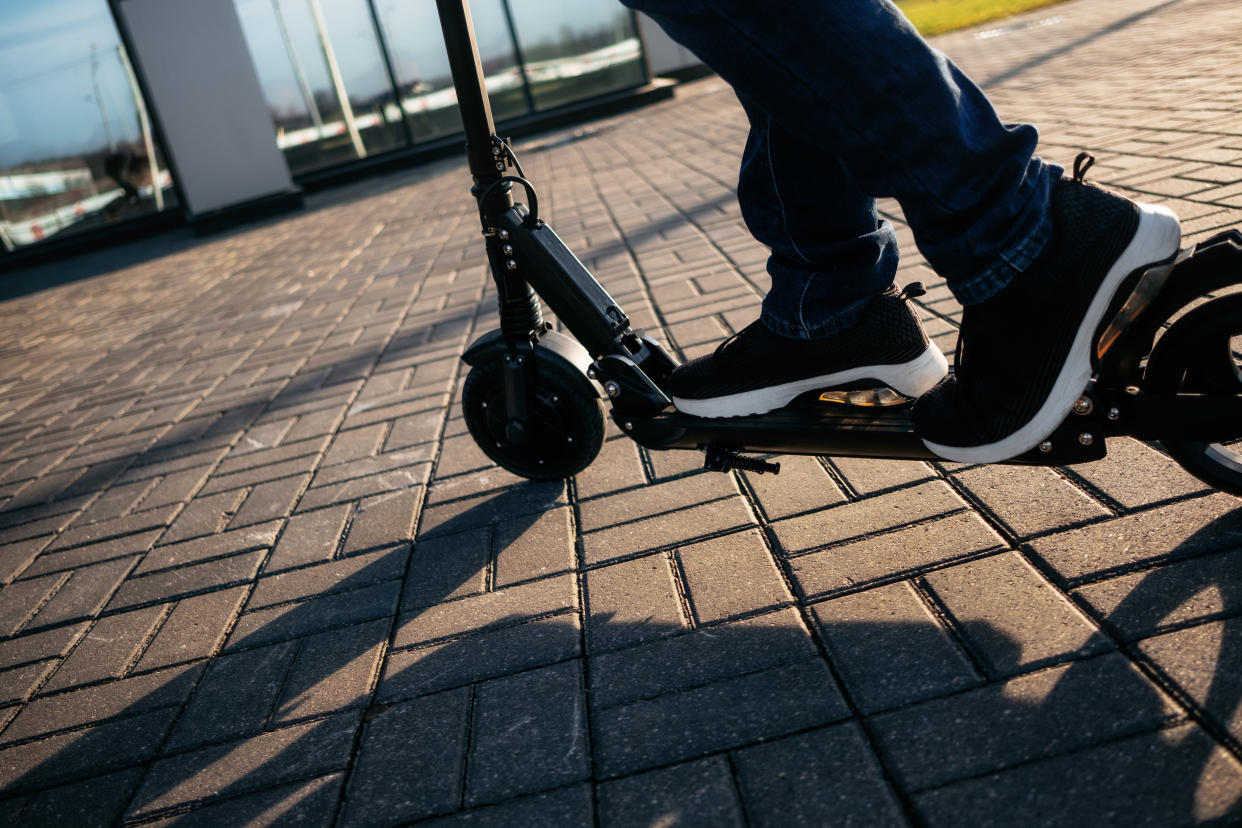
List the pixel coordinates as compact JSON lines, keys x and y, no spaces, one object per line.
{"x":567,"y":420}
{"x":1197,"y":355}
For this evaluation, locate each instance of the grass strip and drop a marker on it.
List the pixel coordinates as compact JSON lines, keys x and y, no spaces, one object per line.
{"x":932,"y":17}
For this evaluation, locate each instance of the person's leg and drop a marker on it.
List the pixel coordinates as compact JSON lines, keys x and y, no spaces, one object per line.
{"x":832,"y":266}
{"x":854,"y":80}
{"x":830,"y":251}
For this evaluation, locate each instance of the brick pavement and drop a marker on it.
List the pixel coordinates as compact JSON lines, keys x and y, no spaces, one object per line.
{"x":255,"y":570}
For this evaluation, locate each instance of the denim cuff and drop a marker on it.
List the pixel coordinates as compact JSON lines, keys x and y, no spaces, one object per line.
{"x":1009,"y":264}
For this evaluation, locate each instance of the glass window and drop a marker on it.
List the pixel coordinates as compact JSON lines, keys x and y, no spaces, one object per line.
{"x":324,"y":77}
{"x":420,"y":63}
{"x":76,"y":149}
{"x":577,"y":50}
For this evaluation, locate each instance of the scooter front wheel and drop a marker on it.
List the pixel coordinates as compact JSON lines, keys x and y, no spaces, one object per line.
{"x":564,"y":427}
{"x":1202,"y":354}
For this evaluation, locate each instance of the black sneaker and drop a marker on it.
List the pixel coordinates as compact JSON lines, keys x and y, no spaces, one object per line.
{"x":755,"y":370}
{"x":1025,"y":355}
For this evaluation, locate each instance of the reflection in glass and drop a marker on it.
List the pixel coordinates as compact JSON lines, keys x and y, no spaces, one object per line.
{"x":420,"y":63}
{"x":76,"y":149}
{"x":325,"y":80}
{"x":577,"y":50}
{"x":557,"y":54}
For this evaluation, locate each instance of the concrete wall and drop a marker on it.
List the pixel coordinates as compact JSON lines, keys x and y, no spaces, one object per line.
{"x":201,"y":82}
{"x":664,"y":55}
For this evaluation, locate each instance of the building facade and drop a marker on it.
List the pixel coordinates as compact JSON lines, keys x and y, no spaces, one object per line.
{"x":117,"y":111}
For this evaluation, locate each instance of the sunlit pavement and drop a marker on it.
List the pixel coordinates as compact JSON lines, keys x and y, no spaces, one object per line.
{"x":256,"y":571}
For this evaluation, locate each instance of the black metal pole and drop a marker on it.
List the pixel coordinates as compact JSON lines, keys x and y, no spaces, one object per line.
{"x":518,"y":56}
{"x":386,"y":56}
{"x":476,"y":110}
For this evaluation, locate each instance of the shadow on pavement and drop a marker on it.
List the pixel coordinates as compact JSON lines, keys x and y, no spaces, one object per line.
{"x":488,"y":701}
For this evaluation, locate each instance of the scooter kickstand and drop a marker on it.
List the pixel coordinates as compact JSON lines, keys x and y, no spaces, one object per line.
{"x":723,"y":459}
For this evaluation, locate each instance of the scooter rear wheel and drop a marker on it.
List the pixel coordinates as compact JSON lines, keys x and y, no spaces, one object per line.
{"x":1202,"y":354}
{"x":565,"y":426}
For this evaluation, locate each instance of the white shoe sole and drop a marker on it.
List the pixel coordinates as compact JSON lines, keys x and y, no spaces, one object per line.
{"x":1157,"y":238}
{"x":913,"y":378}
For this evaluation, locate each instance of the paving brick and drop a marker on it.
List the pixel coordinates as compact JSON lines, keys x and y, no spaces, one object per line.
{"x":828,"y":777}
{"x":1171,"y":532}
{"x":84,"y":753}
{"x":501,"y":608}
{"x":1203,"y":662}
{"x":618,"y":466}
{"x":128,"y":525}
{"x":326,"y":578}
{"x":1029,"y":501}
{"x":17,"y":684}
{"x":632,"y":602}
{"x":857,"y":564}
{"x":246,"y":456}
{"x":355,"y":443}
{"x":333,"y":671}
{"x":91,"y":803}
{"x":383,"y":521}
{"x":1011,"y":618}
{"x":307,"y":804}
{"x":28,"y":647}
{"x":92,"y":553}
{"x":269,"y":500}
{"x":258,"y":475}
{"x":194,"y":629}
{"x":666,"y":530}
{"x":311,"y":537}
{"x":187,"y":580}
{"x":108,"y":650}
{"x":406,"y":477}
{"x":692,"y":794}
{"x":312,"y":424}
{"x":802,"y":486}
{"x":236,"y":696}
{"x":1038,"y":715}
{"x":459,"y":455}
{"x":1162,"y":479}
{"x":34,"y":529}
{"x":410,"y":761}
{"x":127,"y":697}
{"x":529,"y":734}
{"x":731,"y":576}
{"x":449,"y":566}
{"x":315,"y":615}
{"x":220,"y":545}
{"x":727,"y":714}
{"x":258,"y":762}
{"x":525,"y":550}
{"x":16,"y":557}
{"x":84,"y":594}
{"x":487,"y":509}
{"x":1114,"y":784}
{"x":654,"y":500}
{"x":866,"y":517}
{"x":204,"y":515}
{"x":21,"y":599}
{"x":414,"y":429}
{"x":505,"y":650}
{"x":699,"y":658}
{"x":567,"y":806}
{"x":889,"y":648}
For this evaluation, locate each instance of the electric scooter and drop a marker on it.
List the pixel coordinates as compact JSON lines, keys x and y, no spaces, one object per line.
{"x":1167,"y":364}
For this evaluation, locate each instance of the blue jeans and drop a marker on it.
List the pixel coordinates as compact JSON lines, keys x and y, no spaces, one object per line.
{"x":847,"y":103}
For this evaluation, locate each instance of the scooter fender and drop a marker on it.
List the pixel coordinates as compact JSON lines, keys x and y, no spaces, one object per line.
{"x":491,"y":346}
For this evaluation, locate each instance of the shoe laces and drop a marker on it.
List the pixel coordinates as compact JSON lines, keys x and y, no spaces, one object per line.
{"x":1082,"y":163}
